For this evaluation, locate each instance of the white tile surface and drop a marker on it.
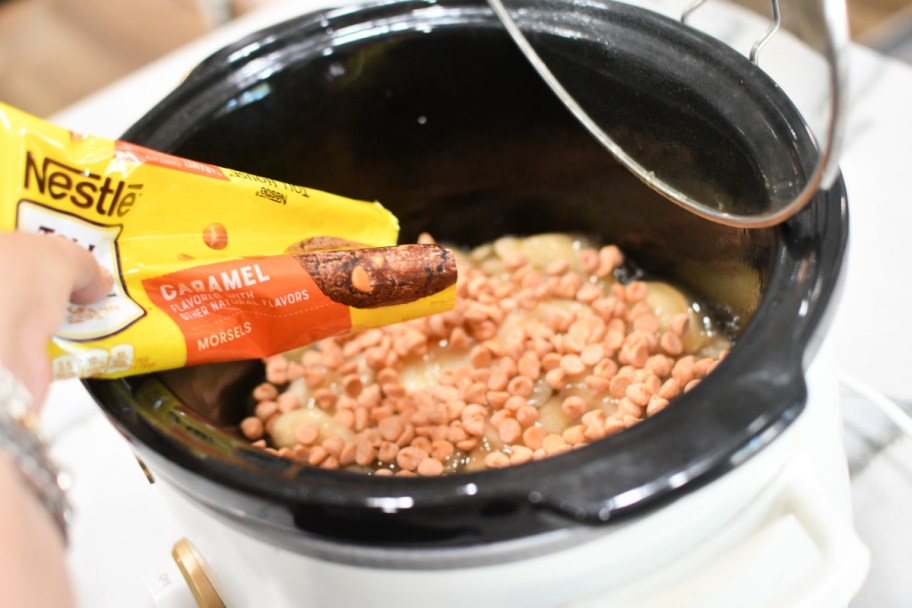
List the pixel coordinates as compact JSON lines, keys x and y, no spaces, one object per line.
{"x":882,"y":500}
{"x":873,"y":342}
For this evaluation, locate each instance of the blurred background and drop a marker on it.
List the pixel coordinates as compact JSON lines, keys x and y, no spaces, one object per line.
{"x":55,"y":52}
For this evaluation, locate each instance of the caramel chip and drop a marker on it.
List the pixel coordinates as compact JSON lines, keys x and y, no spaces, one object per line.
{"x":215,"y":236}
{"x":361,"y":279}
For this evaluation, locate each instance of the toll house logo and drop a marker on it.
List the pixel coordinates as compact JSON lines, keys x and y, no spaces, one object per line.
{"x":117,"y":310}
{"x":85,"y":190}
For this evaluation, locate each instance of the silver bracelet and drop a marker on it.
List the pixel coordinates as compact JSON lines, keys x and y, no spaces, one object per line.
{"x":21,"y":439}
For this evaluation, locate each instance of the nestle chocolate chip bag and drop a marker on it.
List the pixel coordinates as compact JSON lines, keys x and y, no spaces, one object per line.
{"x":209,"y":264}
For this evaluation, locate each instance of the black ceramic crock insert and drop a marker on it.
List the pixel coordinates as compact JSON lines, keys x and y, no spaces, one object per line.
{"x":430,"y":109}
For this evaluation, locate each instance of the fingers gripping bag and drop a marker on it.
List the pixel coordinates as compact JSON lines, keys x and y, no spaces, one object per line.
{"x":209,"y":264}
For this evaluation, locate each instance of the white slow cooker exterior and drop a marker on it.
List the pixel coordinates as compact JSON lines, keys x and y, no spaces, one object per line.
{"x":775,"y":531}
{"x":110,"y":554}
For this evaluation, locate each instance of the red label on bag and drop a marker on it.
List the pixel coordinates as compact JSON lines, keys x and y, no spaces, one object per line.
{"x":245,"y":309}
{"x":141,"y":154}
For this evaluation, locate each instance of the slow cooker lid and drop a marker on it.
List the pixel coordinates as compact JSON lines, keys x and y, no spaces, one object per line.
{"x":823,"y":27}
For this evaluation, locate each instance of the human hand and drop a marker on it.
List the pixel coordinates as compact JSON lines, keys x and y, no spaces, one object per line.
{"x":39,"y":276}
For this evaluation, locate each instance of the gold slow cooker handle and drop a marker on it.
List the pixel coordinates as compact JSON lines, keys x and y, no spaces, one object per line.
{"x":828,"y":30}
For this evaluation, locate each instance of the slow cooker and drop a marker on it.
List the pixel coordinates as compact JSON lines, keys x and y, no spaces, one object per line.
{"x":429,"y":108}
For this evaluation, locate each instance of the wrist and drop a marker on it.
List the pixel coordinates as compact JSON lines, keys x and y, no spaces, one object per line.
{"x":22,"y":444}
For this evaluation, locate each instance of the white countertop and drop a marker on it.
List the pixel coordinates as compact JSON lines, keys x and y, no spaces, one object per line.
{"x":122,"y":533}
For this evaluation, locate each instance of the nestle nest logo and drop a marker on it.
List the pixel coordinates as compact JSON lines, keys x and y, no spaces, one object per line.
{"x":81,"y":188}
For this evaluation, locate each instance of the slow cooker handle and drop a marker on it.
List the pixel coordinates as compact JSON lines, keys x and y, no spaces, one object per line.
{"x":826,"y":562}
{"x":844,"y":559}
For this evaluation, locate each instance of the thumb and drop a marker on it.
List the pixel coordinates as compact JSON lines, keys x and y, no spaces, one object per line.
{"x":92,"y":281}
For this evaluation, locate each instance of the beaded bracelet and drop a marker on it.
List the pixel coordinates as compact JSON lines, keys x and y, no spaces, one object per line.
{"x":21,"y":439}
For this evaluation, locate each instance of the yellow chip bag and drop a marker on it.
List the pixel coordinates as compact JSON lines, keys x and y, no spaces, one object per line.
{"x":209,"y":264}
